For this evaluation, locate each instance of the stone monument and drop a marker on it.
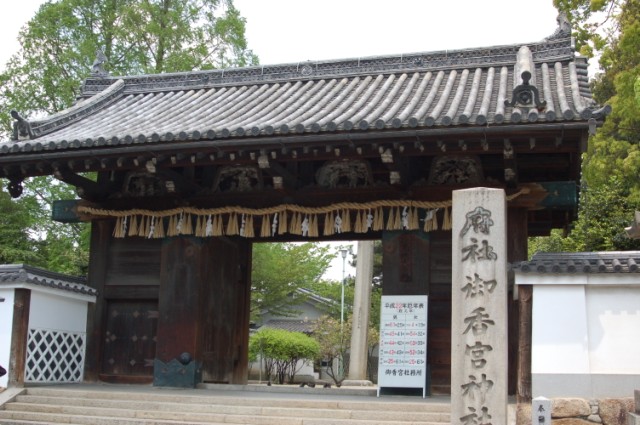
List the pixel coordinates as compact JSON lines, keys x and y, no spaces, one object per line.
{"x":479,"y":307}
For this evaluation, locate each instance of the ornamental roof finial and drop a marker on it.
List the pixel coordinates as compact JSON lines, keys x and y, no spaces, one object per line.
{"x":97,"y":69}
{"x":564,"y":27}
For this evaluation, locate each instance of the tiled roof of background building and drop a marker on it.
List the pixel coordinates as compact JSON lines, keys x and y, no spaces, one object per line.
{"x":581,"y":262}
{"x":293,"y":325}
{"x":21,"y":273}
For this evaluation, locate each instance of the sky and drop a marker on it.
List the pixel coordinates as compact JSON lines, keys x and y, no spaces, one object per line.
{"x":287,"y":31}
{"x":290,"y":31}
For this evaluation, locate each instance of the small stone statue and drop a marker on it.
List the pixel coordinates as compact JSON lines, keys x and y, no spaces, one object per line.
{"x":21,"y":127}
{"x":97,"y":68}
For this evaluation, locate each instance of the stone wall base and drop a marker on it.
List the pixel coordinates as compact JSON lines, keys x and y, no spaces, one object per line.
{"x":579,"y":411}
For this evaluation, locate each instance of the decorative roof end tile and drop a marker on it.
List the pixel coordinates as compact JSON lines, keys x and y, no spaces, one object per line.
{"x":525,"y":93}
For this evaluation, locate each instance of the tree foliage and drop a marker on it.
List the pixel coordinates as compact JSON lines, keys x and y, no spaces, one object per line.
{"x":595,"y":23}
{"x":16,"y":242}
{"x":57,"y":49}
{"x":29,"y":236}
{"x":59,"y":45}
{"x":605,"y":211}
{"x":610,"y":179}
{"x":334,"y":339}
{"x":278,"y":269}
{"x":283,"y":352}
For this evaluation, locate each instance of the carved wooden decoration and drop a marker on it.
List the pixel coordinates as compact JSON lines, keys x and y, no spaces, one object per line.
{"x":143,"y":184}
{"x":449,"y":170}
{"x":344,"y":174}
{"x":238,"y":179}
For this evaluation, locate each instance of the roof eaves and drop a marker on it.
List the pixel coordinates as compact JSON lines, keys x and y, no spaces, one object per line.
{"x":17,"y":273}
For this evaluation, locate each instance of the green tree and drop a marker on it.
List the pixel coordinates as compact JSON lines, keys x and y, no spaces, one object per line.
{"x":334,"y":339}
{"x":278,"y":270}
{"x":59,"y":45}
{"x":331,"y":289}
{"x":609,"y":29}
{"x":16,"y":241}
{"x":605,"y":211}
{"x":57,"y":49}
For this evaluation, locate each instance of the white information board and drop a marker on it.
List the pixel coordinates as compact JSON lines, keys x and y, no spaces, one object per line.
{"x":402,"y":361}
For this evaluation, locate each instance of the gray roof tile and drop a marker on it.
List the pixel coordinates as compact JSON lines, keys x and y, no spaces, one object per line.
{"x":420,"y":90}
{"x":304,"y":326}
{"x":581,"y":262}
{"x":21,"y":273}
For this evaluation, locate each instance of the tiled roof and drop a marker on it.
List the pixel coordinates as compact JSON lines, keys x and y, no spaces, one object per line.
{"x":20,"y":273}
{"x":304,"y":326}
{"x":581,"y":262}
{"x":418,"y":91}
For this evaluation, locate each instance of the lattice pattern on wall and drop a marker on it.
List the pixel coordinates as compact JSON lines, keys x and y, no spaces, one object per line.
{"x":55,"y":356}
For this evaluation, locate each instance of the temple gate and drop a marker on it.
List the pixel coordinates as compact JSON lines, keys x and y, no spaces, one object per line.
{"x":192,"y":167}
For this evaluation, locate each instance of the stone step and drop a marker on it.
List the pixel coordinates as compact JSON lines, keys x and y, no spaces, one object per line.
{"x":273,"y":407}
{"x":200,"y":397}
{"x":37,"y":418}
{"x":153,"y":406}
{"x":6,"y":417}
{"x":161,"y":409}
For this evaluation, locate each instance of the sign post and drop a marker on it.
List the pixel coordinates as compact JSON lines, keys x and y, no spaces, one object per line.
{"x":402,"y":361}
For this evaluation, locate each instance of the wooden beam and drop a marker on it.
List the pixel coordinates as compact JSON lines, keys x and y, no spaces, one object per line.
{"x":525,"y":313}
{"x":85,"y":188}
{"x":19,"y":334}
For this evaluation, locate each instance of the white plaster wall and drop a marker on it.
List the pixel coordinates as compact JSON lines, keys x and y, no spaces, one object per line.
{"x":559,"y":330}
{"x":6,"y":323}
{"x":584,"y":337}
{"x":614,"y":329}
{"x":54,"y":312}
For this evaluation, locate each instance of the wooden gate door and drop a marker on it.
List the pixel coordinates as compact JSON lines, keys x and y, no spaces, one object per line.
{"x":130,"y":341}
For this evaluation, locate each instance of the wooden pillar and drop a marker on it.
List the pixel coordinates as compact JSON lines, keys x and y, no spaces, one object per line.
{"x":204,"y":305}
{"x":179,"y":293}
{"x":243,"y":314}
{"x":519,"y":311}
{"x":100,"y":237}
{"x":19,"y":334}
{"x":224,"y":317}
{"x":405,"y":263}
{"x":525,"y":296}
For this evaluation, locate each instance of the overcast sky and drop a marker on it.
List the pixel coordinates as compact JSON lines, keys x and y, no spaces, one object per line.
{"x":283,"y":31}
{"x":286,"y":31}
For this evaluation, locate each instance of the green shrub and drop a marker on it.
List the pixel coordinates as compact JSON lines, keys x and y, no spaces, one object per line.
{"x":281,"y":350}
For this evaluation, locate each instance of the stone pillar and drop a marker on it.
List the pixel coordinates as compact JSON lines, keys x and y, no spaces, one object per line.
{"x":479,"y":307}
{"x":361,"y":304}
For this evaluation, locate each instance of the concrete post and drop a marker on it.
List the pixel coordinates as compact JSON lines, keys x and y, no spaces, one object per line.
{"x":361,"y":303}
